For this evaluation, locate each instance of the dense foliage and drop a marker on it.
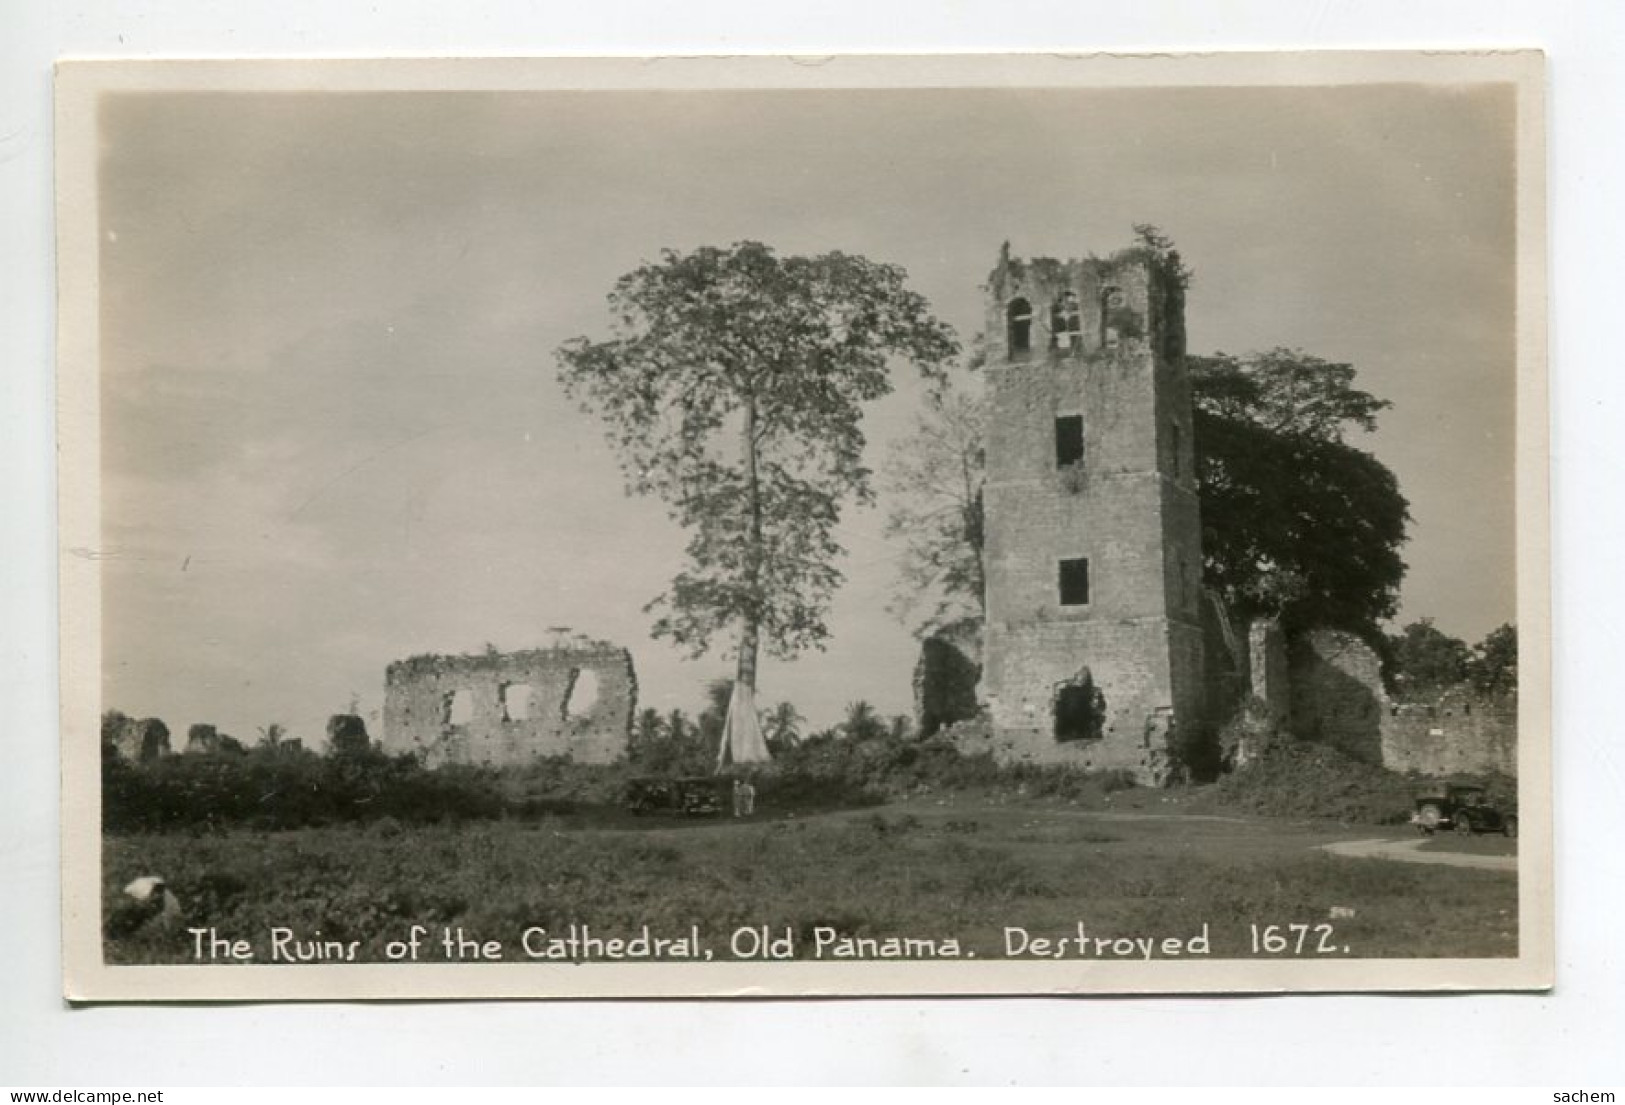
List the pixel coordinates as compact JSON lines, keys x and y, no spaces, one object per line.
{"x":1424,"y":661}
{"x":270,"y":788}
{"x":1296,"y":523}
{"x":1493,"y":668}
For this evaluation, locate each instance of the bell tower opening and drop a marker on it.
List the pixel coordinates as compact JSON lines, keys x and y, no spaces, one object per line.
{"x":1093,"y":535}
{"x":1019,"y":326}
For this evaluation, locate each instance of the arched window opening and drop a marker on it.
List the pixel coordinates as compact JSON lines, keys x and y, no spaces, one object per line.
{"x":582,"y":695}
{"x":1111,"y":300}
{"x":1019,"y":316}
{"x":457,"y":708}
{"x":516,"y":701}
{"x":1066,"y":322}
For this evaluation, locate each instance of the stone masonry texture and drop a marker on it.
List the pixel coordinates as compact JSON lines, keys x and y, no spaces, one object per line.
{"x":573,"y":699}
{"x":1338,"y":699}
{"x":1129,"y":507}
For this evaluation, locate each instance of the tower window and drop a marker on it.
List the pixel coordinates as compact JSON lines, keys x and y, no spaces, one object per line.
{"x":1111,"y":301}
{"x":1068,"y":440}
{"x":1019,"y":316}
{"x":1075,"y":582}
{"x":1066,"y":322}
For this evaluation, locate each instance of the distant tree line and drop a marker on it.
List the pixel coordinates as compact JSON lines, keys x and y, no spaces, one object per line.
{"x":1424,"y":661}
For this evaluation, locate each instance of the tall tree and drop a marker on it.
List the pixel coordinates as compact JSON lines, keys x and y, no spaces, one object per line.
{"x":934,"y":477}
{"x":1493,"y":667}
{"x":648,"y":729}
{"x":1296,"y":522}
{"x":1424,"y":659}
{"x":733,"y":389}
{"x":783,"y":726}
{"x":862,"y":722}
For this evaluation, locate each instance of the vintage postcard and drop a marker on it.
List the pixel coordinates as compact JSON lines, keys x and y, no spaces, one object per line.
{"x":781,"y":526}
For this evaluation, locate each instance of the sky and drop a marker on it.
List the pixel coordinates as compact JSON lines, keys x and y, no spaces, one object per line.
{"x":333,"y":434}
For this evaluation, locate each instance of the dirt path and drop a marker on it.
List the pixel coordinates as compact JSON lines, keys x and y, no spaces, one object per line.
{"x":1409,"y":851}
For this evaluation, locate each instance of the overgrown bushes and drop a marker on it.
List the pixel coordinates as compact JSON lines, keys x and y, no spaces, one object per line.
{"x":884,"y":767}
{"x":271,"y":788}
{"x":1317,"y":781}
{"x":277,"y":789}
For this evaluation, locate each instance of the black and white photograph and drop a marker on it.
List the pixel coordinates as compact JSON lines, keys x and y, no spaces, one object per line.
{"x":757,"y":526}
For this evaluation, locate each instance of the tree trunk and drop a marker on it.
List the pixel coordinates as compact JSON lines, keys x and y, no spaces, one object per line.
{"x":742,"y":741}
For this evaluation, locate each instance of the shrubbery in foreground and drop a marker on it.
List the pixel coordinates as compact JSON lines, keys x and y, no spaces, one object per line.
{"x":278,"y":789}
{"x":275,"y":789}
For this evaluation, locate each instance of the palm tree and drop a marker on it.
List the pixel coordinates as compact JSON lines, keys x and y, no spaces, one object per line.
{"x":648,"y":728}
{"x":677,"y":726}
{"x":783,"y":725}
{"x":862,"y":722}
{"x":648,"y":731}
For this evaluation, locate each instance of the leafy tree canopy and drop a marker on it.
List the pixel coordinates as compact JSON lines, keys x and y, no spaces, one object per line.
{"x":1424,"y":659}
{"x":1295,"y":522}
{"x":1493,"y":668}
{"x":934,"y":477}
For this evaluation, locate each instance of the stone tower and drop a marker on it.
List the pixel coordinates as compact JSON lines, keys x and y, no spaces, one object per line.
{"x":1094,"y":554}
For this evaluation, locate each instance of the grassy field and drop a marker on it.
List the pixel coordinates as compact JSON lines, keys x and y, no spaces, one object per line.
{"x":965,"y":868}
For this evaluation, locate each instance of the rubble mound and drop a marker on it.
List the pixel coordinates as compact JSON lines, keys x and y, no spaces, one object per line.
{"x":1316,"y":781}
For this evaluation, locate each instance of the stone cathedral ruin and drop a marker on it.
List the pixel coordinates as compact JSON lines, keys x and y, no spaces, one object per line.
{"x":573,"y":698}
{"x":1101,"y":647}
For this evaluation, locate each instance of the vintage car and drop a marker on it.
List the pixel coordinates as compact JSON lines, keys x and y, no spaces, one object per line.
{"x":695,"y":796}
{"x":1465,"y":809}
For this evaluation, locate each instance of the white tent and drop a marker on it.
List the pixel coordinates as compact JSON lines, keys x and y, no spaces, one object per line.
{"x":742,"y":740}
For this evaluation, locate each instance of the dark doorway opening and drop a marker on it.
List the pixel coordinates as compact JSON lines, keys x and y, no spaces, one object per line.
{"x":1080,"y":710}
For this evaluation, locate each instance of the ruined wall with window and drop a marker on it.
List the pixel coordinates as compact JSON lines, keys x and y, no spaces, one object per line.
{"x":575,"y":698}
{"x":1338,"y":699}
{"x":1094,"y":639}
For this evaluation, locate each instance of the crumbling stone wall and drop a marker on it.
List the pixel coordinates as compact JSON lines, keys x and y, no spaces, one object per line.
{"x":1249,"y":687}
{"x":1463,"y":732}
{"x":423,"y":696}
{"x":1090,"y":460}
{"x":1269,"y":676}
{"x":1337,"y":693}
{"x":203,"y":738}
{"x":140,"y":740}
{"x":1338,"y":698}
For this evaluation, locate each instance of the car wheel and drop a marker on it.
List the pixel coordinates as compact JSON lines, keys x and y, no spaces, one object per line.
{"x":1510,"y":827}
{"x":1428,"y":817}
{"x":1462,"y":823}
